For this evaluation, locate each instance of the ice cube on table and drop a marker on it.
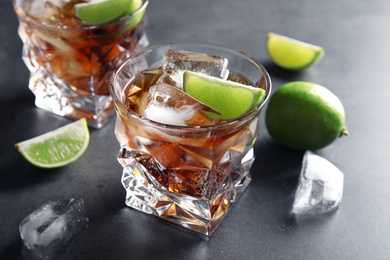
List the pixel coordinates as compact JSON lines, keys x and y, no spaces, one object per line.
{"x":176,"y":62}
{"x":320,"y":187}
{"x":169,"y":105}
{"x":49,"y":230}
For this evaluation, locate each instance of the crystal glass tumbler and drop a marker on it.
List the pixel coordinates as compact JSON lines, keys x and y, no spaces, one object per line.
{"x":190,"y":175}
{"x":70,"y":62}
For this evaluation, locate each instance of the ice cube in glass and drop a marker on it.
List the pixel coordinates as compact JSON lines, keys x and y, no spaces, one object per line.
{"x":172,"y":106}
{"x":175,"y":62}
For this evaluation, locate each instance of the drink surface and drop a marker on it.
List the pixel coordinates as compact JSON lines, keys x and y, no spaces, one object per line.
{"x":82,"y":57}
{"x":155,"y":92}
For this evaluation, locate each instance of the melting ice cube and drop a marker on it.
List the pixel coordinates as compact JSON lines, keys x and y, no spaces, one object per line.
{"x":172,"y":106}
{"x":46,"y":11}
{"x":320,"y":188}
{"x":48,"y":230}
{"x":176,"y":62}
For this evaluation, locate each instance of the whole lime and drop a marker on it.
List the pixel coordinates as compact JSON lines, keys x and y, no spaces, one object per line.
{"x":305,"y":116}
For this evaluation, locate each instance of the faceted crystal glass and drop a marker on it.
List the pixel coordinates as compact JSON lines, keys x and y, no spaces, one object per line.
{"x":70,"y":64}
{"x":189,"y":175}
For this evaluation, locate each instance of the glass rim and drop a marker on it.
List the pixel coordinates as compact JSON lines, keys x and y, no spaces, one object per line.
{"x":22,"y":16}
{"x":248,"y":116}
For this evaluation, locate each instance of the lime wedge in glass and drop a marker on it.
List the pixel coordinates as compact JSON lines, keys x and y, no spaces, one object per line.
{"x":102,"y":11}
{"x":229,"y":98}
{"x":56,"y":148}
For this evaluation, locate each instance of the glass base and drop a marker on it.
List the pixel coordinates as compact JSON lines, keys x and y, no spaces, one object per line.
{"x":199,"y":214}
{"x":62,"y":101}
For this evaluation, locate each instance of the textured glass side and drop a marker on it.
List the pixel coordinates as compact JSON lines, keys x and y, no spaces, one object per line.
{"x":200,"y":210}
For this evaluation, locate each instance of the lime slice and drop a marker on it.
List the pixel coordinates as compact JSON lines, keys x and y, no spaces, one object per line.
{"x":229,"y":98}
{"x":56,"y":148}
{"x":102,"y":11}
{"x":134,"y":6}
{"x":137,"y":14}
{"x":292,"y":54}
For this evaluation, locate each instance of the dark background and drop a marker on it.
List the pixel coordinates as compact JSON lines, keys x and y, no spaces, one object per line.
{"x":356,"y":67}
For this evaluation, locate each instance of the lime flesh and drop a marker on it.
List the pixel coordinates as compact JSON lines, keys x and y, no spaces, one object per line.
{"x":292,"y":54}
{"x":102,"y":11}
{"x":231,"y":99}
{"x":305,"y":116}
{"x":56,"y":148}
{"x":137,"y":14}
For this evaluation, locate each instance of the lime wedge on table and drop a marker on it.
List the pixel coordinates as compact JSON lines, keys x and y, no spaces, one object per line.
{"x":229,"y":98}
{"x":56,"y":148}
{"x":102,"y":11}
{"x":292,"y":54}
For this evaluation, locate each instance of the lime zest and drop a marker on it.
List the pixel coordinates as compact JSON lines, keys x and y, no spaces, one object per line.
{"x":292,"y":54}
{"x":231,"y":99}
{"x":56,"y":148}
{"x":103,"y":11}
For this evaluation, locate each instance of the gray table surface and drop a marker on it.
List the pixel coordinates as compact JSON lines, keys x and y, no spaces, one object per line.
{"x":356,"y":67}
